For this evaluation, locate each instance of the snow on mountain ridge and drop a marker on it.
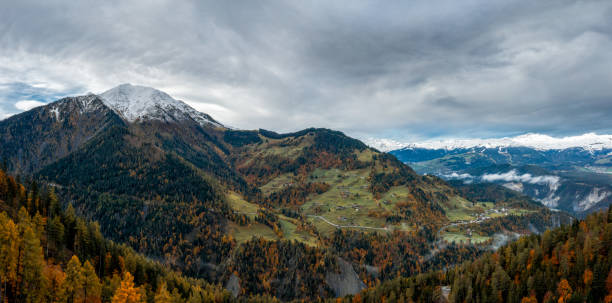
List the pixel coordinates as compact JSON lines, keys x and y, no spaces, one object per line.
{"x":384,"y":145}
{"x":135,"y":102}
{"x":588,"y":141}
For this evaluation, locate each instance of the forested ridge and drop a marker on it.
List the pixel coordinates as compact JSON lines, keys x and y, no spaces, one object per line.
{"x":572,"y":263}
{"x":51,"y":255}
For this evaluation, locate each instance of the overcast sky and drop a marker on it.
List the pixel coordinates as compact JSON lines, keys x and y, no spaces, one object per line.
{"x":408,"y":70}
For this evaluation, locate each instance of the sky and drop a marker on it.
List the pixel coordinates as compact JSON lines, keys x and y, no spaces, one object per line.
{"x":403,"y":70}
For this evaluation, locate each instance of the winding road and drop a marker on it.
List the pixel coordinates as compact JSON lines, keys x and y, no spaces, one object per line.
{"x":347,"y":226}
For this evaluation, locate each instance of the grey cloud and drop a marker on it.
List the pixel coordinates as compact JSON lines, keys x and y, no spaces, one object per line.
{"x":406,"y":69}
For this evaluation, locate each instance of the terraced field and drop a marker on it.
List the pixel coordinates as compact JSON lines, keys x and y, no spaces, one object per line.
{"x":349,"y":204}
{"x":289,"y":226}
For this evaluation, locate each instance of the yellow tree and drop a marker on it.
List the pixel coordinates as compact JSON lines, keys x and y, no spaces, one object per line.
{"x":56,"y":290}
{"x":9,"y":254}
{"x":74,"y":280}
{"x":564,"y":290}
{"x":92,"y":288}
{"x":127,"y":292}
{"x":530,"y":299}
{"x":33,"y":282}
{"x":162,"y":295}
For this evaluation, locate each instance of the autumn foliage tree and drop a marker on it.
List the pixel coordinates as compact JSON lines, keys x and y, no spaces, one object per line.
{"x":127,"y":292}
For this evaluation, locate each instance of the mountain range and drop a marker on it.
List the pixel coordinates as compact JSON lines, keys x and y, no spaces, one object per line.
{"x":572,"y":174}
{"x":304,"y":215}
{"x":589,"y":141}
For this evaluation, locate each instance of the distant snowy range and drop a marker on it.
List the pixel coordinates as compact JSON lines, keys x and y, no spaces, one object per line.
{"x":571,"y":173}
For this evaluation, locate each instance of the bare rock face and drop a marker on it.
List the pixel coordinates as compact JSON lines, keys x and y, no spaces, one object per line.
{"x":233,"y":285}
{"x":346,"y":282}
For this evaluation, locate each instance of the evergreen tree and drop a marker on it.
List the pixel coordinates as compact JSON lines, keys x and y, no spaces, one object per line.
{"x":162,"y":295}
{"x":500,"y":282}
{"x":92,"y":287}
{"x":55,"y":233}
{"x":74,"y":281}
{"x":54,"y":208}
{"x":9,"y":254}
{"x":33,"y":282}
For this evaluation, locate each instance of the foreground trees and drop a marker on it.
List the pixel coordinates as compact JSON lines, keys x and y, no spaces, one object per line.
{"x":50,"y":255}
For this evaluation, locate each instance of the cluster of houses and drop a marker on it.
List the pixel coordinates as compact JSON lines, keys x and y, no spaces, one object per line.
{"x":488,"y":212}
{"x":354,"y":207}
{"x":485,"y":216}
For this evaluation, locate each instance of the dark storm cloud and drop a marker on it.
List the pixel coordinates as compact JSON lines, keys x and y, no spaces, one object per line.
{"x":404,"y":69}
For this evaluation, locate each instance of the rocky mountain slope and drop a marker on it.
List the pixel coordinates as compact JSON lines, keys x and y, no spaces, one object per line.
{"x":42,"y":135}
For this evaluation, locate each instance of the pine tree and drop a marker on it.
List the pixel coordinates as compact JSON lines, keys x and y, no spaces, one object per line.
{"x":162,"y":295}
{"x":3,"y":186}
{"x":33,"y":282}
{"x":23,"y":218}
{"x":39,"y":223}
{"x":9,"y":254}
{"x":54,"y":206}
{"x":74,"y":280}
{"x":92,"y":287}
{"x":55,"y":233}
{"x":82,"y":240}
{"x":500,"y":282}
{"x":127,"y":292}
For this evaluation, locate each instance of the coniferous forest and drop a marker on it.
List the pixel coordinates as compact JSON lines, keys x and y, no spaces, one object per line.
{"x":51,"y":255}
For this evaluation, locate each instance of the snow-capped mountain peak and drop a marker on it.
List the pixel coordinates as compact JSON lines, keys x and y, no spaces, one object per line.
{"x":135,"y":102}
{"x":588,"y":141}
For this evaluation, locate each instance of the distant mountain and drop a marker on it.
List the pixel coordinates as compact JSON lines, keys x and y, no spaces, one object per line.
{"x":259,"y":211}
{"x":572,"y":174}
{"x":589,"y":141}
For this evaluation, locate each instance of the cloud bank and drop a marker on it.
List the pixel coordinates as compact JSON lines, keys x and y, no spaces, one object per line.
{"x":513,"y":176}
{"x":510,"y":176}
